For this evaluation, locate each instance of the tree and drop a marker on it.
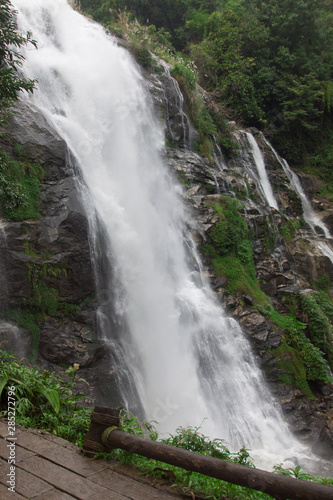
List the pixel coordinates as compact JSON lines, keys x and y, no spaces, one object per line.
{"x":11,"y":59}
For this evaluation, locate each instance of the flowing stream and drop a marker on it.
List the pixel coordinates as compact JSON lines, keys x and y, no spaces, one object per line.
{"x":190,"y":364}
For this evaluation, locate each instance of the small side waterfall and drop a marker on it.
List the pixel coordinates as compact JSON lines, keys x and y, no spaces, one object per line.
{"x":261,"y":175}
{"x":179,"y":126}
{"x":309,"y":214}
{"x":191,"y":365}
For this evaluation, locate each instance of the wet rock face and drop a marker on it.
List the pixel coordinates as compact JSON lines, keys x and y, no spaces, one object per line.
{"x":170,"y":107}
{"x":60,"y":238}
{"x":41,"y":142}
{"x":54,"y":252}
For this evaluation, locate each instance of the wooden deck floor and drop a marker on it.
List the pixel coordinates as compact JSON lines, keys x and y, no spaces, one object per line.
{"x":50,"y":468}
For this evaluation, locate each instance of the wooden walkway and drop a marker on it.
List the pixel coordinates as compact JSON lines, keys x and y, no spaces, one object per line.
{"x":50,"y":468}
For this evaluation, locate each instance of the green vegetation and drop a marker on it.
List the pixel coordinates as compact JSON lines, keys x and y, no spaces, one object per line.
{"x":294,"y":371}
{"x":315,"y":365}
{"x":19,"y":180}
{"x":267,"y":64}
{"x":305,"y":353}
{"x":10,"y":60}
{"x":322,"y":283}
{"x":289,"y":229}
{"x":43,"y":400}
{"x":19,"y":187}
{"x":229,"y":248}
{"x":190,"y":482}
{"x":317,"y":311}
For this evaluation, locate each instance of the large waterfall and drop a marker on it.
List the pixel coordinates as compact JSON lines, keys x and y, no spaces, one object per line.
{"x":190,"y":364}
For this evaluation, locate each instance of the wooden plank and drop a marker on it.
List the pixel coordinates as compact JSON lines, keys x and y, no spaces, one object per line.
{"x":54,"y":495}
{"x":72,"y":484}
{"x":4,"y":429}
{"x":51,"y":437}
{"x":70,"y":459}
{"x":20,"y":453}
{"x":9,"y":495}
{"x":26,"y":484}
{"x":129,"y":487}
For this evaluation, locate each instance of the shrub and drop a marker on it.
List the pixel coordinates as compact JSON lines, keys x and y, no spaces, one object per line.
{"x":43,"y":400}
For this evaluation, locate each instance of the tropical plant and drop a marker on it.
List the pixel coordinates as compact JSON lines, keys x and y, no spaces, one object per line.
{"x":11,"y":59}
{"x":42,"y":399}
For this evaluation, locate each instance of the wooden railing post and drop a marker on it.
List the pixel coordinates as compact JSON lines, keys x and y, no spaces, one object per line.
{"x":279,"y":487}
{"x":101,"y":418}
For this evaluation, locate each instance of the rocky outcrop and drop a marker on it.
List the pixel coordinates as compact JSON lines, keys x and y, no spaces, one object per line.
{"x":52,"y":252}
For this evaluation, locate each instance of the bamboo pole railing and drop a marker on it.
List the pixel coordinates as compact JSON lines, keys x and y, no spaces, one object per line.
{"x":104,"y":435}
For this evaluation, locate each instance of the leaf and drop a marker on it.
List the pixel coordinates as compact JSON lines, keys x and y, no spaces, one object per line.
{"x":53,"y":398}
{"x":3,"y":382}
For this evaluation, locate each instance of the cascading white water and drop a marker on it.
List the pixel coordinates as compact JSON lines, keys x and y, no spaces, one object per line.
{"x":191,"y":364}
{"x":309,"y":214}
{"x":185,"y":124}
{"x":264,"y":183}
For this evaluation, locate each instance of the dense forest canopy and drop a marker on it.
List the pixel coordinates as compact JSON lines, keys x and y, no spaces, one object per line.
{"x":269,"y":62}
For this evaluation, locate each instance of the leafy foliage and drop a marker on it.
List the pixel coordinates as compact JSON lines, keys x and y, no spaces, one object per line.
{"x":229,"y":248}
{"x":189,"y":482}
{"x":317,"y":311}
{"x":43,"y":400}
{"x":289,"y":229}
{"x":11,"y":59}
{"x":313,"y":359}
{"x":269,"y":64}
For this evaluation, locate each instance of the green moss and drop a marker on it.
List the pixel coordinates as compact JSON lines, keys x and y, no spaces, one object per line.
{"x":318,"y":311}
{"x":68,"y":309}
{"x":240,"y":278}
{"x":289,"y":229}
{"x":32,"y":253}
{"x":291,"y":362}
{"x":230,"y":250}
{"x":20,"y":187}
{"x":230,"y":230}
{"x":322,"y":283}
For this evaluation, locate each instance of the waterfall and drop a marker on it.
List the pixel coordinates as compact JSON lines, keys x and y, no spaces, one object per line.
{"x":309,"y":214}
{"x":191,"y":364}
{"x":186,"y":135}
{"x":261,"y":177}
